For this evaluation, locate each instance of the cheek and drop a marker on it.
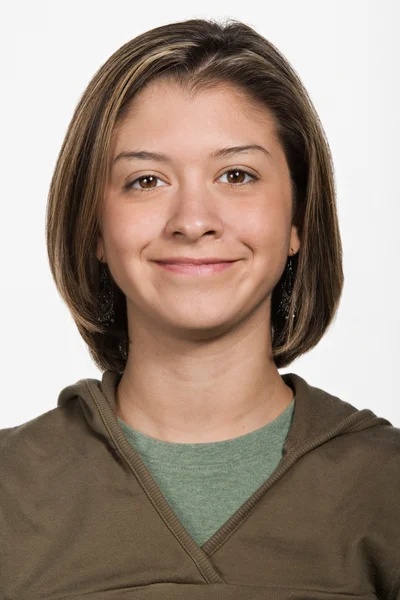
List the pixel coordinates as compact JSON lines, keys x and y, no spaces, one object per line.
{"x":265,"y":231}
{"x":129,"y":231}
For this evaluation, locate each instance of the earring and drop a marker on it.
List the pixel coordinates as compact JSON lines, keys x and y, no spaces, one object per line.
{"x":106,"y":314}
{"x":123,"y":348}
{"x":287,"y":287}
{"x":105,"y":298}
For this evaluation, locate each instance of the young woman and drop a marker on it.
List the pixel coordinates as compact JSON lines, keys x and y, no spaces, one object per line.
{"x":192,"y":231}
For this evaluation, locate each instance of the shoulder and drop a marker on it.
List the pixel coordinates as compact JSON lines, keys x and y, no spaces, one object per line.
{"x":366,"y":465}
{"x":375,"y":447}
{"x":29,"y":430}
{"x":26,"y":448}
{"x":380,"y":442}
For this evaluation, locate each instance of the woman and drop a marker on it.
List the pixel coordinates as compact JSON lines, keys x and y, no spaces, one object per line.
{"x":193,"y":469}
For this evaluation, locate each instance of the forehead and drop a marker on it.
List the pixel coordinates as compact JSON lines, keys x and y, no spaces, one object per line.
{"x":164,"y":112}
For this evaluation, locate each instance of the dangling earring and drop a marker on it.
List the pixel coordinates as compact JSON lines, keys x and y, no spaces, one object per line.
{"x":105,"y":298}
{"x":106,"y":314}
{"x":123,"y":348}
{"x":287,"y":287}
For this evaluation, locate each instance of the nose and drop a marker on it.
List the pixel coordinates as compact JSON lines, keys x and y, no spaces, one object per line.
{"x":194,"y":214}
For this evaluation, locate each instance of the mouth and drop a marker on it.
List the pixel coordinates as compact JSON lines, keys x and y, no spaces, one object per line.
{"x":196,"y":270}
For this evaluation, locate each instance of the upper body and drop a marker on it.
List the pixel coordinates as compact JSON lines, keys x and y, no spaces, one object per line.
{"x":306,"y":507}
{"x":218,"y":120}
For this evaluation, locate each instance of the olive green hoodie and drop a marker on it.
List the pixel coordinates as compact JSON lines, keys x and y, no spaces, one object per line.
{"x":312,"y":507}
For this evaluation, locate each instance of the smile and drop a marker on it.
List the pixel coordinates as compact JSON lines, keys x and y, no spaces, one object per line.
{"x":190,"y":269}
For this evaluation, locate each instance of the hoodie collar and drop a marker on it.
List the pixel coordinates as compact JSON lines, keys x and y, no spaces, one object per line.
{"x":318,"y":415}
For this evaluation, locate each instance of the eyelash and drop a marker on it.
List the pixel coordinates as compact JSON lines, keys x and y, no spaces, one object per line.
{"x":129,"y":186}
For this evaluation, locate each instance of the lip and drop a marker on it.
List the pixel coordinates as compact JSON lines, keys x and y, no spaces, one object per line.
{"x":194,"y":261}
{"x":196,"y":269}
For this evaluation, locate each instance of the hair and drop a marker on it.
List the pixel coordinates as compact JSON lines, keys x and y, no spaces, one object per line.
{"x":195,"y":54}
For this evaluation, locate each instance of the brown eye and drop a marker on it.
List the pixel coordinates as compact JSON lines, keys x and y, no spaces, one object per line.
{"x":148,"y":179}
{"x":236,"y":176}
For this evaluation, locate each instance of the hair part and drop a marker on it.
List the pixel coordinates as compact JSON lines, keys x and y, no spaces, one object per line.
{"x":196,"y":55}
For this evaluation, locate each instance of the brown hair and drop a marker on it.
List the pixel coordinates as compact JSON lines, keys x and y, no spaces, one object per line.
{"x":195,"y":54}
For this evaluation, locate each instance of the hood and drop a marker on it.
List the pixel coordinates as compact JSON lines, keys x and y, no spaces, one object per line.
{"x":318,"y":416}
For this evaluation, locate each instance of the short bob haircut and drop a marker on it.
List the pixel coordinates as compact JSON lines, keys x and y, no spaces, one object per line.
{"x":195,"y":54}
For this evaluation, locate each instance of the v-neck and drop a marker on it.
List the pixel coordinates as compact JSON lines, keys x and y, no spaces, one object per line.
{"x":294,"y":447}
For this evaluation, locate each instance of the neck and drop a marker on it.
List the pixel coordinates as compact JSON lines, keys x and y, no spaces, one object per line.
{"x":191,"y":392}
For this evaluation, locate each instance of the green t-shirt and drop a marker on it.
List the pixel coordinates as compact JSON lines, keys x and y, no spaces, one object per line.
{"x":206,"y":483}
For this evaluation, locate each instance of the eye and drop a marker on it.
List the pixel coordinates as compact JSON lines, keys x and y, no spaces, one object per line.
{"x":235,"y":171}
{"x":152,"y":178}
{"x":148,"y":177}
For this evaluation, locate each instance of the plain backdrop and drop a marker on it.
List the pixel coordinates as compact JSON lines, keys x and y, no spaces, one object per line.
{"x":347,"y":54}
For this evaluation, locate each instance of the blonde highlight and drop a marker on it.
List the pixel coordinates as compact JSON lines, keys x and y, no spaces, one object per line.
{"x":213,"y":53}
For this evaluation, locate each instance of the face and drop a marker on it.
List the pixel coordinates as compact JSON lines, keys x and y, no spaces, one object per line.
{"x":235,"y":207}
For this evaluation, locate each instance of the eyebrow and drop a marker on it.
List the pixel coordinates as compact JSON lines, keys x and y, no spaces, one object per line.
{"x":158,"y":156}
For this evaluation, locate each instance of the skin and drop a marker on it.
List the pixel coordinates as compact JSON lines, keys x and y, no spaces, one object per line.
{"x":200,"y":366}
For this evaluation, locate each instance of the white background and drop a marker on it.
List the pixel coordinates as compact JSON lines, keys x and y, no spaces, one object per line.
{"x":347,"y":54}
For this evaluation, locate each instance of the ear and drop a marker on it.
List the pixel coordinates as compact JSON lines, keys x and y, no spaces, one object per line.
{"x":294,"y":240}
{"x":99,"y":248}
